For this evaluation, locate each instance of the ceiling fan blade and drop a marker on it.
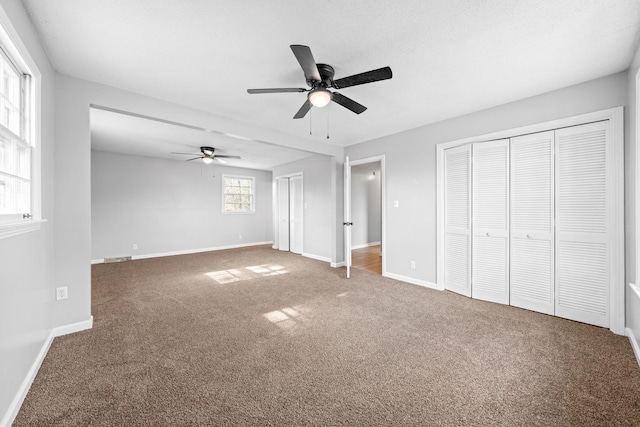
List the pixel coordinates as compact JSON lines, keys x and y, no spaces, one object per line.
{"x":303,"y":110}
{"x":226,"y":157}
{"x":348,"y":103}
{"x":195,"y":158}
{"x":188,"y":154}
{"x":277,"y":90}
{"x":308,"y":64}
{"x":362,"y":78}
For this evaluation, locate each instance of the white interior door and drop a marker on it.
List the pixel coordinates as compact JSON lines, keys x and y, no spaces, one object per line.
{"x":283,"y":214}
{"x":490,"y":252}
{"x":347,"y":215}
{"x":457,"y":220}
{"x":296,"y":207}
{"x":532,"y":222}
{"x":582,"y":258}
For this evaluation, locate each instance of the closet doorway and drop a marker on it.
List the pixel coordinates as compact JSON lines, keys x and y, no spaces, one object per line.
{"x":533,"y":217}
{"x":290,"y":213}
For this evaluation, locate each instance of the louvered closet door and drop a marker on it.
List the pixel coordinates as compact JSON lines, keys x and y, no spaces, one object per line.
{"x":582,"y":278}
{"x":532,"y":210}
{"x":490,"y":253}
{"x":457,"y":219}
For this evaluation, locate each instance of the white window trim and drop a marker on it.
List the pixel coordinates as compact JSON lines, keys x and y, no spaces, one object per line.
{"x":253,"y":185}
{"x":18,"y":52}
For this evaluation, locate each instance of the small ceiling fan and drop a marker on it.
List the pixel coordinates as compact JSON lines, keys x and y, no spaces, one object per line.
{"x":208,"y":155}
{"x":320,"y":78}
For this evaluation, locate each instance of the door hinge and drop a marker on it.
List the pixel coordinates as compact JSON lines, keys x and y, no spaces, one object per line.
{"x":347,"y":223}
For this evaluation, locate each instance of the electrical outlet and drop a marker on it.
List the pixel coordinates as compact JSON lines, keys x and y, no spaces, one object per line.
{"x":396,"y":203}
{"x":135,"y":246}
{"x":413,"y":265}
{"x":62,"y":293}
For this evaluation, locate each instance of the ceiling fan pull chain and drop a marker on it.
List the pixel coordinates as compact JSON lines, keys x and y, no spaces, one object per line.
{"x":327,"y":125}
{"x":310,"y":122}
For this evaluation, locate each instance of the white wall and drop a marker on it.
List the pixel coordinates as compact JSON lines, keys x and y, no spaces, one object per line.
{"x":26,"y":261}
{"x":365,"y":205}
{"x":319,"y":202}
{"x":166,"y":206}
{"x":410,"y":165}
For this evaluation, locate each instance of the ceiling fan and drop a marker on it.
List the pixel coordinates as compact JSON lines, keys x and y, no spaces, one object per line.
{"x":320,"y":78}
{"x":208,"y":155}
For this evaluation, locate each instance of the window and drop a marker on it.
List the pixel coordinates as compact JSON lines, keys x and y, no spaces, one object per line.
{"x":238,"y":194}
{"x":15,"y":144}
{"x":20,"y":171}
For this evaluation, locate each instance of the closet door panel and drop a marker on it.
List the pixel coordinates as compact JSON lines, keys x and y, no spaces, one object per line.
{"x":490,"y":252}
{"x":532,"y":218}
{"x":296,"y":209}
{"x":582,"y":273}
{"x":283,"y":214}
{"x":457,"y":220}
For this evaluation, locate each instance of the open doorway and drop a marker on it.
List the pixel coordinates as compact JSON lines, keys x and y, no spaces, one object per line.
{"x":367,"y":215}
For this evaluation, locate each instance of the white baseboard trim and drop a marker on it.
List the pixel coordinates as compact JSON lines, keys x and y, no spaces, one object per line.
{"x":365,"y":245}
{"x":97,"y":261}
{"x":634,"y":343}
{"x":73,"y":327}
{"x":195,"y":251}
{"x":337,"y":264}
{"x":317,"y":257}
{"x":411,"y":280}
{"x":16,"y":403}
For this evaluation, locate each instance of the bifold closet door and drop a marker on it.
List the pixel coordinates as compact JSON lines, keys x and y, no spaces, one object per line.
{"x":283,"y":214}
{"x":457,"y":220}
{"x":582,"y":258}
{"x":295,"y":213}
{"x":490,"y":251}
{"x":532,"y":211}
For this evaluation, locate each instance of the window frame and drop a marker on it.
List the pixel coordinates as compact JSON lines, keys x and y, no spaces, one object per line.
{"x":19,"y":57}
{"x":253,"y":194}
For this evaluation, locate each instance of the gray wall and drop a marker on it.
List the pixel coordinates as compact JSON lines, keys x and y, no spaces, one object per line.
{"x":319,"y":200}
{"x":168,"y":206}
{"x":632,"y":298}
{"x":410,"y":165}
{"x":365,"y":205}
{"x":26,"y":261}
{"x":73,"y":99}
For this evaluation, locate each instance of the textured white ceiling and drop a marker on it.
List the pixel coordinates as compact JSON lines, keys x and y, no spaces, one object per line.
{"x":448,"y":57}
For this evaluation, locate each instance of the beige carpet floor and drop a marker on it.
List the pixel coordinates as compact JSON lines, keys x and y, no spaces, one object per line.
{"x":260,"y":337}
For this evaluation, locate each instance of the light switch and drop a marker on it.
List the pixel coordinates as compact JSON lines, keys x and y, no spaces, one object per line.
{"x":396,"y":203}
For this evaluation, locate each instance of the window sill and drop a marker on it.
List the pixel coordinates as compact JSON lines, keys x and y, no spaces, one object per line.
{"x":17,"y":228}
{"x":239,"y":212}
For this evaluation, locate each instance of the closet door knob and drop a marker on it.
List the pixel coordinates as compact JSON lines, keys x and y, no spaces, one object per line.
{"x":528,"y":236}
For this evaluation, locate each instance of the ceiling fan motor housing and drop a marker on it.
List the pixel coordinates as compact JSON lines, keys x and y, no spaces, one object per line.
{"x":326,"y":75}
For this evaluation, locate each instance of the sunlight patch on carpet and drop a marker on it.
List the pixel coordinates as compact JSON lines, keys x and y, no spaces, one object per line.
{"x":268,"y":269}
{"x":285,"y":318}
{"x":247,"y":273}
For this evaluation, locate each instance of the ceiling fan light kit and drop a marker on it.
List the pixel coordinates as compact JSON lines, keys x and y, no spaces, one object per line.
{"x":320,"y":77}
{"x":319,"y":97}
